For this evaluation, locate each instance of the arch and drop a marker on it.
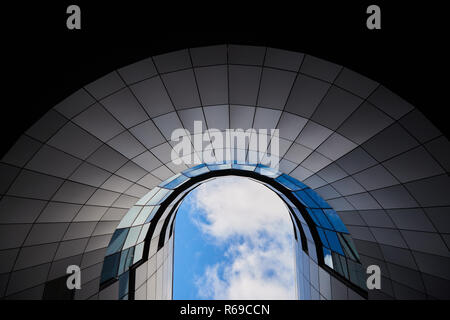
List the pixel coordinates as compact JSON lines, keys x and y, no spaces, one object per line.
{"x":371,"y":155}
{"x":148,"y":227}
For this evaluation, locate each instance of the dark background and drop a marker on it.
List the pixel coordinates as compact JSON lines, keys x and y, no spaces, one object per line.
{"x":44,"y":62}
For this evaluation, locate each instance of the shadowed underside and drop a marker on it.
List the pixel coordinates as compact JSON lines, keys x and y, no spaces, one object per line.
{"x":69,"y":180}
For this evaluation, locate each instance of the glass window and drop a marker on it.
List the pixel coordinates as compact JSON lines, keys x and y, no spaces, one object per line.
{"x":110,"y":265}
{"x":143,"y":215}
{"x":159,"y":197}
{"x":214,"y":167}
{"x":305,"y":199}
{"x":123,"y":285}
{"x":126,"y":259}
{"x":175,"y":182}
{"x":290,"y":183}
{"x":337,"y":263}
{"x":320,"y":216}
{"x":344,"y":266}
{"x":351,"y":244}
{"x":267,"y":171}
{"x":246,"y":167}
{"x":128,"y":219}
{"x":333,"y":241}
{"x":323,"y":238}
{"x":317,"y":198}
{"x":143,"y":232}
{"x":132,"y":237}
{"x":335,"y":220}
{"x":195,"y":171}
{"x":328,"y":258}
{"x":117,"y":241}
{"x":347,"y":250}
{"x":147,"y":197}
{"x":138,"y":252}
{"x":152,"y":214}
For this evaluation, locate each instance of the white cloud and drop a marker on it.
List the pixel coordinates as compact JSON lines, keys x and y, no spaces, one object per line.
{"x":253,"y":222}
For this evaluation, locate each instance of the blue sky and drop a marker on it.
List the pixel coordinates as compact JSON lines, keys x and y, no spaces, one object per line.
{"x":233,"y":240}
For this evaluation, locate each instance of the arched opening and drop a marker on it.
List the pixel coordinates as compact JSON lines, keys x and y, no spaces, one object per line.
{"x":234,"y":239}
{"x":139,"y":259}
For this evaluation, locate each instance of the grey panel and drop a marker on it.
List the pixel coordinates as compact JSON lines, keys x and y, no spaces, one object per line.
{"x":440,"y":218}
{"x":75,"y":103}
{"x":363,"y":201}
{"x":425,"y":242}
{"x":7,"y":176}
{"x":68,"y":140}
{"x":47,"y":126}
{"x":246,"y":55}
{"x":413,"y":165}
{"x":313,"y":135}
{"x":439,"y":149}
{"x":390,"y":237}
{"x":212,"y":84}
{"x":390,"y":142}
{"x":46,"y":233}
{"x":244,"y":84}
{"x":290,"y":126}
{"x":88,"y":174}
{"x":153,"y":96}
{"x":297,"y":153}
{"x":108,"y":158}
{"x":375,"y":177}
{"x":335,"y":107}
{"x":316,"y":162}
{"x":336,"y":146}
{"x":266,"y":118}
{"x":12,"y":236}
{"x":148,"y":134}
{"x":275,"y":88}
{"x":98,"y":122}
{"x":58,"y":212}
{"x":364,"y":123}
{"x":27,"y":278}
{"x":16,"y":210}
{"x":283,"y":59}
{"x":21,"y":152}
{"x":138,"y":71}
{"x":217,"y":117}
{"x":332,"y":173}
{"x":206,"y":56}
{"x":389,"y":102}
{"x":172,"y":61}
{"x":431,"y":192}
{"x":356,"y":83}
{"x":168,"y":123}
{"x":320,"y":68}
{"x":73,"y":192}
{"x":34,"y":185}
{"x":43,"y":161}
{"x":131,"y":171}
{"x":377,"y":218}
{"x":105,"y":85}
{"x":182,"y":88}
{"x":306,"y":95}
{"x":347,"y":186}
{"x":125,"y":108}
{"x":241,"y":117}
{"x":356,"y":160}
{"x":31,"y":256}
{"x":411,"y":219}
{"x":394,"y":197}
